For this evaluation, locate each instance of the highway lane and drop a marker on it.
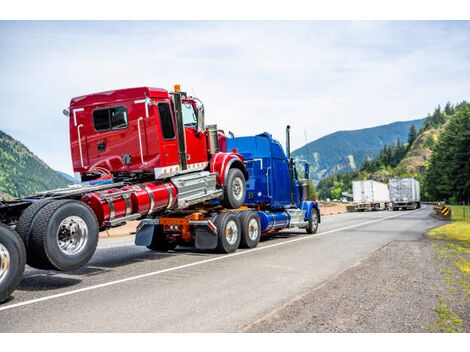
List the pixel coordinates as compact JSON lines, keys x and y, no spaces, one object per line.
{"x":128,"y":288}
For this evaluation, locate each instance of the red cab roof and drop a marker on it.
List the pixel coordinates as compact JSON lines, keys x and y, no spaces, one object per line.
{"x":118,"y":95}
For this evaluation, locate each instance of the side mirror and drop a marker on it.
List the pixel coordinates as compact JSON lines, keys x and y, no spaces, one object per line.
{"x":307,"y":171}
{"x":200,"y":119}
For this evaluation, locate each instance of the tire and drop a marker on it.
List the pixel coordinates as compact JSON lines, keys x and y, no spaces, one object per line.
{"x":251,"y":229}
{"x":234,"y":189}
{"x":312,"y":226}
{"x":26,"y":220}
{"x":56,"y":221}
{"x":228,"y":232}
{"x":12,"y":261}
{"x":160,"y":241}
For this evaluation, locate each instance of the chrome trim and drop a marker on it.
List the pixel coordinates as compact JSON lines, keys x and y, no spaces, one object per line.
{"x":75,"y":115}
{"x":140,"y":141}
{"x":80,"y":146}
{"x":151,"y":196}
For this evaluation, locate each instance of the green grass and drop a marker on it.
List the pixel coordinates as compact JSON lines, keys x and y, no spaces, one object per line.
{"x":446,"y":321}
{"x":460,"y":212}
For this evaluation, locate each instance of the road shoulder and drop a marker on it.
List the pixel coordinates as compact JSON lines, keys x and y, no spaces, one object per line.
{"x":398,"y":288}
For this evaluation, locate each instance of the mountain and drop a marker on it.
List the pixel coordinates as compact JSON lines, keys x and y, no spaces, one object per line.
{"x":22,"y":173}
{"x":69,"y":178}
{"x":346,"y":150}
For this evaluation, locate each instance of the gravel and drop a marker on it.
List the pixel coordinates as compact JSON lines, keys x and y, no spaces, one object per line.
{"x":396,"y":289}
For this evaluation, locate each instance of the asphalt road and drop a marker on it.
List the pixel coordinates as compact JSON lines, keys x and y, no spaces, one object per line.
{"x":131,"y":289}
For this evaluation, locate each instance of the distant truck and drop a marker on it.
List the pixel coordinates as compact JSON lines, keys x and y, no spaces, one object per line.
{"x":370,"y":195}
{"x":404,"y":193}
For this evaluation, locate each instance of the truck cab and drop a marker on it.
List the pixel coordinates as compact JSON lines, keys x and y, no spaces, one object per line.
{"x":134,"y":130}
{"x":274,"y":186}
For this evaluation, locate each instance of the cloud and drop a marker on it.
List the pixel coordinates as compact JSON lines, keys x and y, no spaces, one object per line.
{"x":252,"y":76}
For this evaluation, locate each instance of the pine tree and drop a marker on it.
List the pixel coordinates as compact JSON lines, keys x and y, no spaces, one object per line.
{"x":412,"y":134}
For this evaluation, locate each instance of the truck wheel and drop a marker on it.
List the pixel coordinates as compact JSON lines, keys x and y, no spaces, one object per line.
{"x":160,"y":242}
{"x":64,"y":236}
{"x":234,"y":189}
{"x":251,"y":229}
{"x":312,"y":226}
{"x":12,"y":261}
{"x":26,"y":220}
{"x":229,"y":232}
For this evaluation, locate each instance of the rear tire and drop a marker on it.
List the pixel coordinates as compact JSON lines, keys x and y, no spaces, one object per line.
{"x":160,"y":242}
{"x":228,"y":232}
{"x":234,"y":189}
{"x":26,"y":220}
{"x":64,"y":236}
{"x":312,"y":226}
{"x":12,"y":261}
{"x":251,"y":229}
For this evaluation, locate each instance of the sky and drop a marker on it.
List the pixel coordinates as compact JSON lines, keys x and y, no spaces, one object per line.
{"x":318,"y":76}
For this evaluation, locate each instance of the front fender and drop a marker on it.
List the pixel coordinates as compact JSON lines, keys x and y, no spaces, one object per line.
{"x":222,"y":162}
{"x":307,"y":206}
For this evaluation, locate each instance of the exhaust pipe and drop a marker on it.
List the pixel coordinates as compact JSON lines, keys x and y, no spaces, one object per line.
{"x":180,"y":128}
{"x":291,"y":165}
{"x":213,"y":136}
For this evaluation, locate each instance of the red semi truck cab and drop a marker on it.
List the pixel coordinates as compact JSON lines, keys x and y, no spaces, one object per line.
{"x":134,"y":130}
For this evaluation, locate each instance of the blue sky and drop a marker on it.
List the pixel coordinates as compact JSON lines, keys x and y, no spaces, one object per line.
{"x":252,"y":76}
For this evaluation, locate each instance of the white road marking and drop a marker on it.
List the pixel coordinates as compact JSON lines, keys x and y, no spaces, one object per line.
{"x":222,"y":257}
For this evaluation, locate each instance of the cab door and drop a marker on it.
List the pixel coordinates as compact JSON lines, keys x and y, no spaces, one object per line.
{"x":196,"y":143}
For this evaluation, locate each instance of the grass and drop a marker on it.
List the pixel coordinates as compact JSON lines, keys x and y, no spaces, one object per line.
{"x":446,"y":321}
{"x":453,"y":247}
{"x":460,"y":213}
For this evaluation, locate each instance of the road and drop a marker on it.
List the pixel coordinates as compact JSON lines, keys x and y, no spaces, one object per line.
{"x":131,"y":289}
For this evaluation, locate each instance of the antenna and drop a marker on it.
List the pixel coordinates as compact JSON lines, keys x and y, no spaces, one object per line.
{"x":306,"y":143}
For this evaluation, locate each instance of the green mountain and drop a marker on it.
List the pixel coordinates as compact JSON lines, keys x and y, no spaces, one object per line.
{"x":22,"y":173}
{"x":346,"y":150}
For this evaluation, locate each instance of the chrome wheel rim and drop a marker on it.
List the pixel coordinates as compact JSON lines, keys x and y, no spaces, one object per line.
{"x":253,"y":229}
{"x":231,"y":232}
{"x":4,"y":262}
{"x":314,"y":220}
{"x":237,"y":187}
{"x":72,"y":235}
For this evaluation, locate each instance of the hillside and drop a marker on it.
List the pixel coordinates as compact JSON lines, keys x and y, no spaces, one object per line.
{"x":346,"y":150}
{"x":22,"y":173}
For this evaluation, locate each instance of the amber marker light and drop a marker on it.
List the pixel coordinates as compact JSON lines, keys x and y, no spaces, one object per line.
{"x":177,"y":88}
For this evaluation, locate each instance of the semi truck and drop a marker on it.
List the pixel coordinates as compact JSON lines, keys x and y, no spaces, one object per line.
{"x":404,"y":193}
{"x":139,"y":153}
{"x":370,"y":195}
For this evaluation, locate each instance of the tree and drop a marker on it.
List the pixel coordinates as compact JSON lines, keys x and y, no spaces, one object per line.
{"x":412,"y":134}
{"x":448,"y":174}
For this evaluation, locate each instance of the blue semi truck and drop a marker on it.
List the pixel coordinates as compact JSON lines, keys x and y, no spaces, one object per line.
{"x":275,"y":198}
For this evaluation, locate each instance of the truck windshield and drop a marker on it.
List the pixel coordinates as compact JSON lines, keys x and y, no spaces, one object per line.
{"x":189,"y":115}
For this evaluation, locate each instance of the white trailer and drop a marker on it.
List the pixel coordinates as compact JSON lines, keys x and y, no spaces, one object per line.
{"x":404,"y":193}
{"x":370,"y":195}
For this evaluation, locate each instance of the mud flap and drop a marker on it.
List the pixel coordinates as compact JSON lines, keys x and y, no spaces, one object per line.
{"x":205,"y":238}
{"x":144,"y":232}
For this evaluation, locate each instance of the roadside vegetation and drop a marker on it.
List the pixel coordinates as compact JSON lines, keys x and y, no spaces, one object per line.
{"x":453,"y":247}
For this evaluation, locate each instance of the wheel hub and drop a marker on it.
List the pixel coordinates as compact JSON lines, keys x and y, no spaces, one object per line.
{"x":231,"y":232}
{"x":72,"y":235}
{"x":253,"y":229}
{"x":237,"y":186}
{"x":4,"y":262}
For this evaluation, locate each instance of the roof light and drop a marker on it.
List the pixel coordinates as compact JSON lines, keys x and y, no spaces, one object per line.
{"x":177,"y":88}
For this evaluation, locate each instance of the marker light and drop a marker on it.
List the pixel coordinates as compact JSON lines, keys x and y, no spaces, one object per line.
{"x":177,"y":88}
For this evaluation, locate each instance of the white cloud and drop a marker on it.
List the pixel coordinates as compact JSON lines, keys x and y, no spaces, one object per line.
{"x":252,"y":76}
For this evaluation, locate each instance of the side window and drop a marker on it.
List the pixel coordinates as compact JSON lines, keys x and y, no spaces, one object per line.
{"x":107,"y":119}
{"x":166,"y":121}
{"x":189,"y":115}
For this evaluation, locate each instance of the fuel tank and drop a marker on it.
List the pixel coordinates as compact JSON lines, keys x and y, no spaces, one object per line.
{"x":139,"y":199}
